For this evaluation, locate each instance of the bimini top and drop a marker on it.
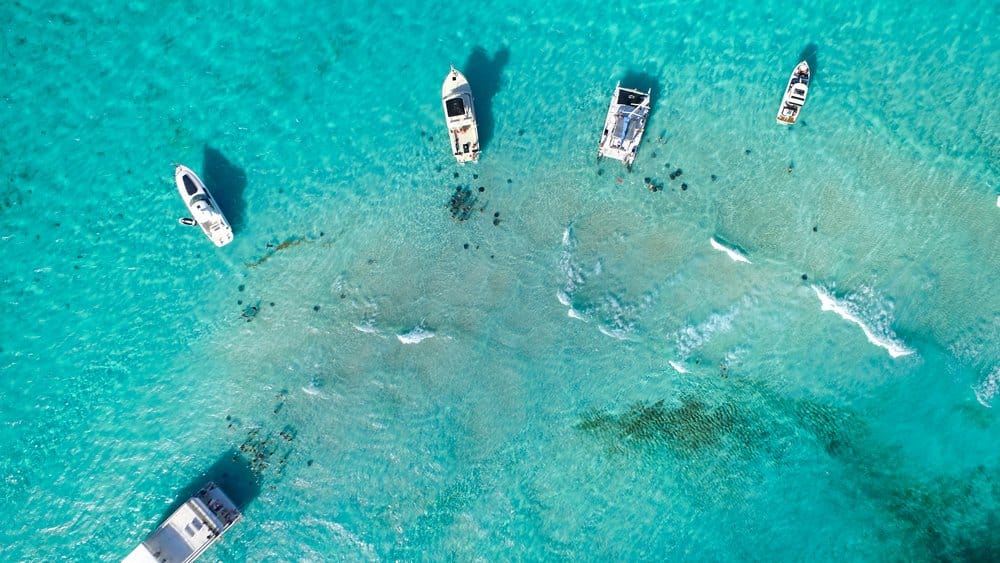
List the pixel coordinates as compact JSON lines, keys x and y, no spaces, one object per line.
{"x":460,"y":117}
{"x":202,"y":206}
{"x":624,"y":124}
{"x":188,"y":532}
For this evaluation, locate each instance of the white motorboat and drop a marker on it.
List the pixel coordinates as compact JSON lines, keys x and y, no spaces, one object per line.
{"x":460,"y":116}
{"x":204,"y":211}
{"x":625,"y":124}
{"x":795,"y":94}
{"x":188,"y":532}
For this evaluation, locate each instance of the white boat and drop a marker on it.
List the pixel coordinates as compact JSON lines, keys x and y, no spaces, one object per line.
{"x":460,"y":116}
{"x":795,"y":94}
{"x":204,"y":211}
{"x":188,"y":532}
{"x":625,"y":124}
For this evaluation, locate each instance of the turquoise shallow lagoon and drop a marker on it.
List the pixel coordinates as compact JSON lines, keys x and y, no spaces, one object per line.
{"x":585,"y":378}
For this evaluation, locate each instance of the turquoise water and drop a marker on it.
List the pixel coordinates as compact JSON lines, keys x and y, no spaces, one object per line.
{"x":589,"y":379}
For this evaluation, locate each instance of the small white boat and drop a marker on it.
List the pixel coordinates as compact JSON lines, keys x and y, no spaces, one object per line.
{"x":460,"y":116}
{"x":625,"y":124}
{"x":204,"y":211}
{"x":188,"y":532}
{"x":795,"y":94}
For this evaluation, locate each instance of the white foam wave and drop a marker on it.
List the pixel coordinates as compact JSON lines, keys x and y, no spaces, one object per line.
{"x":614,"y":319}
{"x":367,"y":328}
{"x":571,"y":274}
{"x":617,"y":333}
{"x":310,"y":390}
{"x":678,"y":366}
{"x":734,"y":254}
{"x":572,"y":278}
{"x":736,"y":356}
{"x":415,"y":336}
{"x":987,"y":389}
{"x":690,"y":338}
{"x":563,"y":298}
{"x":847,"y":312}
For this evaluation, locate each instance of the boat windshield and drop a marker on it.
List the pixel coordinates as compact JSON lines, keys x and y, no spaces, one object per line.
{"x":455,"y":107}
{"x":189,"y":185}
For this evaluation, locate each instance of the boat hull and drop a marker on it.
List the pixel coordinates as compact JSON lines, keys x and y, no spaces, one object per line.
{"x":460,"y":117}
{"x":624,"y":125}
{"x":795,"y":94}
{"x":190,"y":530}
{"x":202,"y":206}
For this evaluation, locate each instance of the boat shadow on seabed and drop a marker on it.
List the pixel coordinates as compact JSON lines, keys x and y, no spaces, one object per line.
{"x":232,"y":472}
{"x":808,"y":55}
{"x":485,"y":76}
{"x":226,"y":182}
{"x":643,"y":82}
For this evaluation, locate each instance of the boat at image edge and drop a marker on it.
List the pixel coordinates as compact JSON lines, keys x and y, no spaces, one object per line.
{"x":190,"y":530}
{"x":460,"y":116}
{"x":795,"y":94}
{"x":625,"y":124}
{"x":204,"y":210}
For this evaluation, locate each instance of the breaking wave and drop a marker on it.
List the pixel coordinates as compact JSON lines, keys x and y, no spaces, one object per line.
{"x":367,"y":326}
{"x":859,"y":307}
{"x":572,"y":276}
{"x":679,"y":367}
{"x":415,"y":336}
{"x":691,"y":337}
{"x":987,"y":389}
{"x":615,"y":317}
{"x":734,"y":254}
{"x":563,"y":298}
{"x":310,"y":390}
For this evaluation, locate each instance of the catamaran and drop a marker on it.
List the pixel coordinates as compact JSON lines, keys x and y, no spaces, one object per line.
{"x":188,"y":532}
{"x":795,"y":94}
{"x":204,"y":211}
{"x":460,"y":116}
{"x":625,"y":124}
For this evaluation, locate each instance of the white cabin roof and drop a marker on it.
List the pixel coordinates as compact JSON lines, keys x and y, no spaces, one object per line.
{"x":184,"y":535}
{"x":189,"y":530}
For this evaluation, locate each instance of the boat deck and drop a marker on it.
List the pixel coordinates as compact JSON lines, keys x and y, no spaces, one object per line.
{"x":460,"y":116}
{"x":189,"y":530}
{"x":795,"y":94}
{"x":624,"y":125}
